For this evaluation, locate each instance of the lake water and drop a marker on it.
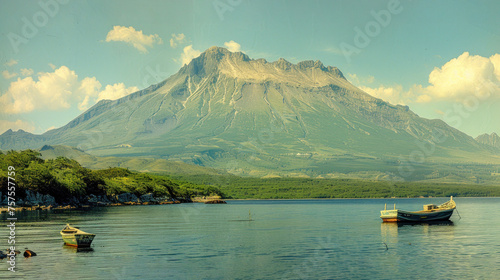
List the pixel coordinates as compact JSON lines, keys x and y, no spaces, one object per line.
{"x":287,"y":239}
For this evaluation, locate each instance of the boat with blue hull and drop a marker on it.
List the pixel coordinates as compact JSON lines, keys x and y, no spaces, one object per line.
{"x":431,"y":212}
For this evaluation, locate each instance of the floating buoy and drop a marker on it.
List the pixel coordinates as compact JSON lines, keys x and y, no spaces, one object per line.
{"x":29,"y":253}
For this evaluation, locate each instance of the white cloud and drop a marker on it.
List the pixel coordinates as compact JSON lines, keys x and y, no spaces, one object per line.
{"x":7,"y":75}
{"x":89,"y":88}
{"x":495,"y":60}
{"x":132,"y":37}
{"x":11,"y":62}
{"x":188,"y":54}
{"x":464,"y":76}
{"x":52,"y":66}
{"x":15,"y":125}
{"x":26,"y":72}
{"x":457,"y":80}
{"x":232,"y":46}
{"x":116,"y":91}
{"x":57,"y":90}
{"x":177,"y":39}
{"x":51,"y":91}
{"x":393,"y":95}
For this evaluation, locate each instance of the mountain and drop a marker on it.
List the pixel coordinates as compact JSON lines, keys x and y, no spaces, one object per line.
{"x":144,"y":164}
{"x":253,"y":117}
{"x":492,"y":140}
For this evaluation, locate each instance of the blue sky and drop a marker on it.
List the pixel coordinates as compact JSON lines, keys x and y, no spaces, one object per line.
{"x":59,"y":57}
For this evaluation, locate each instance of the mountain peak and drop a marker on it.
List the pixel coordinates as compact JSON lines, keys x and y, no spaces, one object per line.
{"x":310,"y":64}
{"x":283,"y":64}
{"x":219,"y":53}
{"x":209,"y":60}
{"x":239,"y":65}
{"x":216,"y":49}
{"x":492,"y":139}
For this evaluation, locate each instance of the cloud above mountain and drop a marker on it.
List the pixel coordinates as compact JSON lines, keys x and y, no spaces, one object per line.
{"x":232,"y":46}
{"x":58,"y":90}
{"x":133,"y":37}
{"x":177,"y":39}
{"x":188,"y":54}
{"x":393,"y":95}
{"x":115,"y":91}
{"x":457,"y":80}
{"x":465,"y":75}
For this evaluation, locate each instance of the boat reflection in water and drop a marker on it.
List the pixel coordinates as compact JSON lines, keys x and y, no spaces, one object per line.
{"x":391,"y":230}
{"x":73,"y":249}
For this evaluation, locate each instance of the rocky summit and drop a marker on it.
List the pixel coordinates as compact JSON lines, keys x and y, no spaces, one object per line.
{"x":254,"y":117}
{"x":492,"y":140}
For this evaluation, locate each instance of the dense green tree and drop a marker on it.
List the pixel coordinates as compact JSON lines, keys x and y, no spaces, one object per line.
{"x":64,"y":178}
{"x":19,"y":160}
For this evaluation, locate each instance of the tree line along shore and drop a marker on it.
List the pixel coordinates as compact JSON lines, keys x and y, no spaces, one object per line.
{"x":64,"y":183}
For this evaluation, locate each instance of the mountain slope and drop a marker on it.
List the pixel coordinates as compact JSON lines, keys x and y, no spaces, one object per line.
{"x":254,"y":117}
{"x":148,"y":164}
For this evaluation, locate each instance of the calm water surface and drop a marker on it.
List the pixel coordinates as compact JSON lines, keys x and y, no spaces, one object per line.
{"x":287,"y":239}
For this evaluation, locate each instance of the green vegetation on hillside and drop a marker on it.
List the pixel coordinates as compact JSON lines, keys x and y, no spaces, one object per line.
{"x":64,"y":178}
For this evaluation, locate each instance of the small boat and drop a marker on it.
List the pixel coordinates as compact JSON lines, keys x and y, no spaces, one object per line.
{"x":431,"y":212}
{"x":75,"y":237}
{"x":215,"y":201}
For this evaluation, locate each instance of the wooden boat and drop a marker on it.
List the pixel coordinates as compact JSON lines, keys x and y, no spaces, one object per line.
{"x":431,"y":212}
{"x":215,"y":201}
{"x":75,"y":237}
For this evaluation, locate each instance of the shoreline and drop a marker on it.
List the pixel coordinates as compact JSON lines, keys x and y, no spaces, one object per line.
{"x":5,"y":209}
{"x":346,"y":198}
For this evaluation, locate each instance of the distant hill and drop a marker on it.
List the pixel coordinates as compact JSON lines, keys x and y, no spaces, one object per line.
{"x":151,"y":165}
{"x":492,"y":140}
{"x":251,"y":117}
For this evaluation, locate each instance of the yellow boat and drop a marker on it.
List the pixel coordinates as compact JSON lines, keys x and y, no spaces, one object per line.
{"x":73,"y":236}
{"x":431,"y":212}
